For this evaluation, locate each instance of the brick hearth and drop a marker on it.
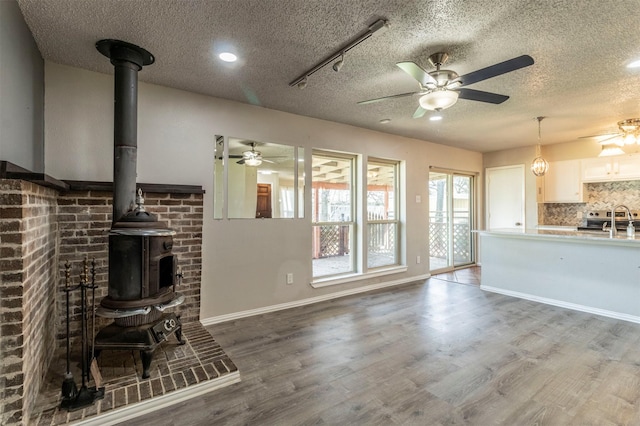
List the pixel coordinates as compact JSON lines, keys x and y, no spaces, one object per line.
{"x":199,"y":362}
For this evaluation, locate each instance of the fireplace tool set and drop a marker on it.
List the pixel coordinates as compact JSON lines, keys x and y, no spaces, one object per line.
{"x":72,"y":397}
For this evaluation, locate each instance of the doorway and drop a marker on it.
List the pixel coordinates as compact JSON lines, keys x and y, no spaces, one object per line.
{"x":263,"y":204}
{"x":451,"y":219}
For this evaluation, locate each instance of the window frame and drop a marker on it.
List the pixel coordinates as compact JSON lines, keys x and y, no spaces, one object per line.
{"x":352,"y":223}
{"x":396,"y":213}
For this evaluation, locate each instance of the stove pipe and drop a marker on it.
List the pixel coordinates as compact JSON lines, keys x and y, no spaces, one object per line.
{"x":127,"y":60}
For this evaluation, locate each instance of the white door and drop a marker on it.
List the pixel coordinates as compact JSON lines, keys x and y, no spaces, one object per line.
{"x":505,"y":197}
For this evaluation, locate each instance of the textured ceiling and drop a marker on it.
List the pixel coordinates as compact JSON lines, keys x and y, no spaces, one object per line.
{"x":579,"y":80}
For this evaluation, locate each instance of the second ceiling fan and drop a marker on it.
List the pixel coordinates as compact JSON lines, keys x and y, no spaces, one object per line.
{"x":440,"y":89}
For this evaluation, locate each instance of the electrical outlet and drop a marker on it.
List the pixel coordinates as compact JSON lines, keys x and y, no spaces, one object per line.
{"x":579,"y":215}
{"x":417,"y":259}
{"x":289,"y":278}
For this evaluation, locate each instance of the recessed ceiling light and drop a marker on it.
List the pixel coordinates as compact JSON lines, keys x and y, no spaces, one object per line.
{"x":385,"y":121}
{"x":634,"y":64}
{"x":435,"y":118}
{"x":228,"y":57}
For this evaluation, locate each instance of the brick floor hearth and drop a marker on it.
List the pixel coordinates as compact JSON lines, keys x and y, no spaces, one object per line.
{"x":200,"y":365}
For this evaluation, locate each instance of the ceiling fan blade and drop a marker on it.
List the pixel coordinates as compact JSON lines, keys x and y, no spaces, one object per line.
{"x":415,"y":71}
{"x":420,"y":112}
{"x":240,"y":162}
{"x":479,"y":95}
{"x":236,"y":156}
{"x":268,"y":161}
{"x":611,"y":135}
{"x":609,"y":138}
{"x":402,"y":95}
{"x":497,"y":69}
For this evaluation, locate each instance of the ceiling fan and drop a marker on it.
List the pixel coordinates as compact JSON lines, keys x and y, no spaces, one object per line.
{"x":440,"y":89}
{"x":629,"y":133}
{"x":250,"y":157}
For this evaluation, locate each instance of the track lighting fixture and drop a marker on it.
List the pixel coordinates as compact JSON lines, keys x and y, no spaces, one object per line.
{"x":337,"y":65}
{"x":337,"y":58}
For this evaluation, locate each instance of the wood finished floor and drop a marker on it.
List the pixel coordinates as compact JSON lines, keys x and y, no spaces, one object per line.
{"x":430,"y":353}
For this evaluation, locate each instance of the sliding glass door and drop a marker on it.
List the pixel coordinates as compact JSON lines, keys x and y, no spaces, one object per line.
{"x":451,"y":206}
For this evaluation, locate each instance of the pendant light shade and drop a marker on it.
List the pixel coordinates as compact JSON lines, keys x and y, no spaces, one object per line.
{"x":539,"y":166}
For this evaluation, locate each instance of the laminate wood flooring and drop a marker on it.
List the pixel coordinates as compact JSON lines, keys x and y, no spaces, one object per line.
{"x":429,"y":353}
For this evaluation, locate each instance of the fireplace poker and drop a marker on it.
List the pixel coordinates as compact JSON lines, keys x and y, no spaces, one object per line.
{"x":93,"y":364}
{"x":69,"y":387}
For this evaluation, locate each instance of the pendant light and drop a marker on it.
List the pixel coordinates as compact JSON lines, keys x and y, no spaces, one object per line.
{"x":539,"y":166}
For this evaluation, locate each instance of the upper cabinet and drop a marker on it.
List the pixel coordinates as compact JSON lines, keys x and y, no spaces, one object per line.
{"x":562,"y":183}
{"x":624,"y":167}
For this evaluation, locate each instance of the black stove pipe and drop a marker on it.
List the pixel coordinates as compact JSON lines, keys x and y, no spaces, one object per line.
{"x":127,"y":60}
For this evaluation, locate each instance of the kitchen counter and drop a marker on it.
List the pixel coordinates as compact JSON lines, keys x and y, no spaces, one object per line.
{"x":581,"y":270}
{"x":569,"y":233}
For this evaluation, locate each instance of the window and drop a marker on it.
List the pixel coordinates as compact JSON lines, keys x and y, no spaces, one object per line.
{"x":350,"y":236}
{"x":333,"y":214}
{"x":382,"y":208}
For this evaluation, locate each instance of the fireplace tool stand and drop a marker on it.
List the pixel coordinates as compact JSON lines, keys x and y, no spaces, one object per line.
{"x":85,"y":396}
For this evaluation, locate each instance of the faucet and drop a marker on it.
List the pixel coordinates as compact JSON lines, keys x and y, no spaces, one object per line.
{"x":613,"y":232}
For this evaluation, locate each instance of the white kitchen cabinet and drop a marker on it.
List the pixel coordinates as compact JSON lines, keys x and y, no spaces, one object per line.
{"x":623,"y":167}
{"x":562,"y":182}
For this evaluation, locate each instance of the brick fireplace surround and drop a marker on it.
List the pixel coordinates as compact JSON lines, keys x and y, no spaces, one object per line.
{"x":44,"y":223}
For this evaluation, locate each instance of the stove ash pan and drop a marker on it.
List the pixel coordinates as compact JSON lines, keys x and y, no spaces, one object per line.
{"x":142,"y":268}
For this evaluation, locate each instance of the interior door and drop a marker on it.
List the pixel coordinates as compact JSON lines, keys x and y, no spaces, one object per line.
{"x":505,"y":197}
{"x":263,"y":205}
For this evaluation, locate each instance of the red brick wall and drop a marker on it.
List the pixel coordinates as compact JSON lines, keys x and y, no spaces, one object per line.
{"x":28,"y":231}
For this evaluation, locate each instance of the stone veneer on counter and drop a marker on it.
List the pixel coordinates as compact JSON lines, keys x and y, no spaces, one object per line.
{"x":600,"y":196}
{"x":41,"y":228}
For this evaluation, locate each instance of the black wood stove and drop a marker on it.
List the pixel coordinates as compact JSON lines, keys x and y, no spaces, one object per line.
{"x":143,"y":271}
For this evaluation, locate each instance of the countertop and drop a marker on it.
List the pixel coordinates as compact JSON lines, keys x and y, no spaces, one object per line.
{"x":567,"y":234}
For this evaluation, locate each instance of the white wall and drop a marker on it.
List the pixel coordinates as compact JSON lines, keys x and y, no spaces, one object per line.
{"x":21,"y":92}
{"x":245,"y":261}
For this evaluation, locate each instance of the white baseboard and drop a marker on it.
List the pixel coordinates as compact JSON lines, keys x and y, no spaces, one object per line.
{"x":273,"y":308}
{"x":562,"y":304}
{"x":129,"y":412}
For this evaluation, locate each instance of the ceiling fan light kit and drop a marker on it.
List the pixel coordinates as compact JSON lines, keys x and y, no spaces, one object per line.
{"x":631,"y":129}
{"x":438,"y":100}
{"x":253,"y":162}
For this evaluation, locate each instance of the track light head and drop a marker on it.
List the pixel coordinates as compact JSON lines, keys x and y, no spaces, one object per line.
{"x":337,"y":66}
{"x":302,"y":84}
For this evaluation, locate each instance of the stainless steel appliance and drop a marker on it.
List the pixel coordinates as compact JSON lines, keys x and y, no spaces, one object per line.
{"x":600,"y":220}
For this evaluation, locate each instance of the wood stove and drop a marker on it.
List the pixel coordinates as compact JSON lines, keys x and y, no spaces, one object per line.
{"x":143,"y":271}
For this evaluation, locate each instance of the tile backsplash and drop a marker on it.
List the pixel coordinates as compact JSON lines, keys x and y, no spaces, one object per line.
{"x":600,"y":196}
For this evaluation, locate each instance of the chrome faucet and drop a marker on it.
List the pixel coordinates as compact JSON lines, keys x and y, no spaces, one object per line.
{"x":612,"y":231}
